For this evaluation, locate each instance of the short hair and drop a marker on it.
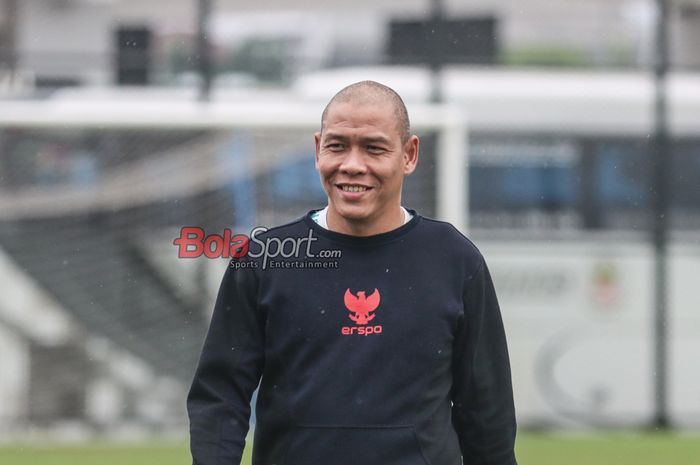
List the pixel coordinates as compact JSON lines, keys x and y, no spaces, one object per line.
{"x":369,"y":92}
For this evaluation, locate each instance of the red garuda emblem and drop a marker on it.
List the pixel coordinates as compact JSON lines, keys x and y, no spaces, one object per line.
{"x":361,"y":306}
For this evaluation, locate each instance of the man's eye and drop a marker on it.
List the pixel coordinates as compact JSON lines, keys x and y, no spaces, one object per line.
{"x":375,"y":149}
{"x":334,"y":147}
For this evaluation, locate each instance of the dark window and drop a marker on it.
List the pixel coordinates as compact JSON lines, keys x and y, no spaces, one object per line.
{"x":685,"y":185}
{"x":524,"y":183}
{"x":621,"y":183}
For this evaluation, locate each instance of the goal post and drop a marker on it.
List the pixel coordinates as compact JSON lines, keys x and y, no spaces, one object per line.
{"x":92,"y":195}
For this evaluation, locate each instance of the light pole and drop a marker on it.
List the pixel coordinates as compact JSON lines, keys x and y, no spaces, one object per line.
{"x":435,"y":58}
{"x":204,"y":63}
{"x":661,"y":161}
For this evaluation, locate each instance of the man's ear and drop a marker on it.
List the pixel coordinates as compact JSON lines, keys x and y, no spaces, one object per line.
{"x":410,"y":155}
{"x":317,"y":139}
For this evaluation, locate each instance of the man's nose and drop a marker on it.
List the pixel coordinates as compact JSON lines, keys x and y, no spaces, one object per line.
{"x":354,"y":162}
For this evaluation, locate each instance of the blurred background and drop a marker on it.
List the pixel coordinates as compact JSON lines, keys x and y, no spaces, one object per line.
{"x":563,"y":137}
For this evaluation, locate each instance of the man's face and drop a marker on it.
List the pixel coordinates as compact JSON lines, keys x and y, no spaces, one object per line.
{"x":362,"y":161}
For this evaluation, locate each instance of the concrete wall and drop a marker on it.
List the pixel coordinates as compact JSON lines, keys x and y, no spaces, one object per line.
{"x":69,"y":39}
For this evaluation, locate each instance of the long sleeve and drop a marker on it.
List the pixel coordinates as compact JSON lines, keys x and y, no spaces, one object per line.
{"x":483,"y":411}
{"x":228,"y":372}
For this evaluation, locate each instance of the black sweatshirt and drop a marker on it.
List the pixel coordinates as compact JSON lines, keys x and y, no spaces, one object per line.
{"x":393,"y":353}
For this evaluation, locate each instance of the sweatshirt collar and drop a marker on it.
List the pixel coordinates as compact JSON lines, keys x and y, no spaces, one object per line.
{"x":366,"y":241}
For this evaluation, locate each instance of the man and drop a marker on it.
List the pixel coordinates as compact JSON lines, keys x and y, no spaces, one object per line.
{"x":396,"y":357}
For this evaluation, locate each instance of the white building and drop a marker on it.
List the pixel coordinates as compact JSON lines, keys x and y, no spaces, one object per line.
{"x":60,"y":42}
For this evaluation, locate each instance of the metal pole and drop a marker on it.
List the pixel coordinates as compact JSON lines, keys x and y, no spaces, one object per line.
{"x":436,"y":57}
{"x":8,"y":37}
{"x":203,"y":49}
{"x":661,"y":153}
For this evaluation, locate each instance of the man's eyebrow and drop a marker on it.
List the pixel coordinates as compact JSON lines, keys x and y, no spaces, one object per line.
{"x":370,"y":139}
{"x":334,"y":135}
{"x":380,"y":139}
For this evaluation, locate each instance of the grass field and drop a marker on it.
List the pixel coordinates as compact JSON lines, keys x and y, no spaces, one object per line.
{"x":532,"y":449}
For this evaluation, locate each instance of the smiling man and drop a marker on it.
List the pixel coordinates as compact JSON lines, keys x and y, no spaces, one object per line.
{"x":363,"y":153}
{"x":397,"y":356}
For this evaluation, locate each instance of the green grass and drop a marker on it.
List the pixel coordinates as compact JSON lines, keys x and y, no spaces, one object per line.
{"x":157,"y":453}
{"x":531,"y":449}
{"x":608,"y":449}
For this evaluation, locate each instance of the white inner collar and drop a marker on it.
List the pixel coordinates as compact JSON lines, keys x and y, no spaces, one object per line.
{"x":321,"y":217}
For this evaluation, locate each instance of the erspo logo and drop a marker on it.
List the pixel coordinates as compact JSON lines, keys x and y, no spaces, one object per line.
{"x":361,"y":309}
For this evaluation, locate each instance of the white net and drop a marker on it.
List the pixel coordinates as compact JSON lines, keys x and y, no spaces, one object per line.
{"x":88,"y":215}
